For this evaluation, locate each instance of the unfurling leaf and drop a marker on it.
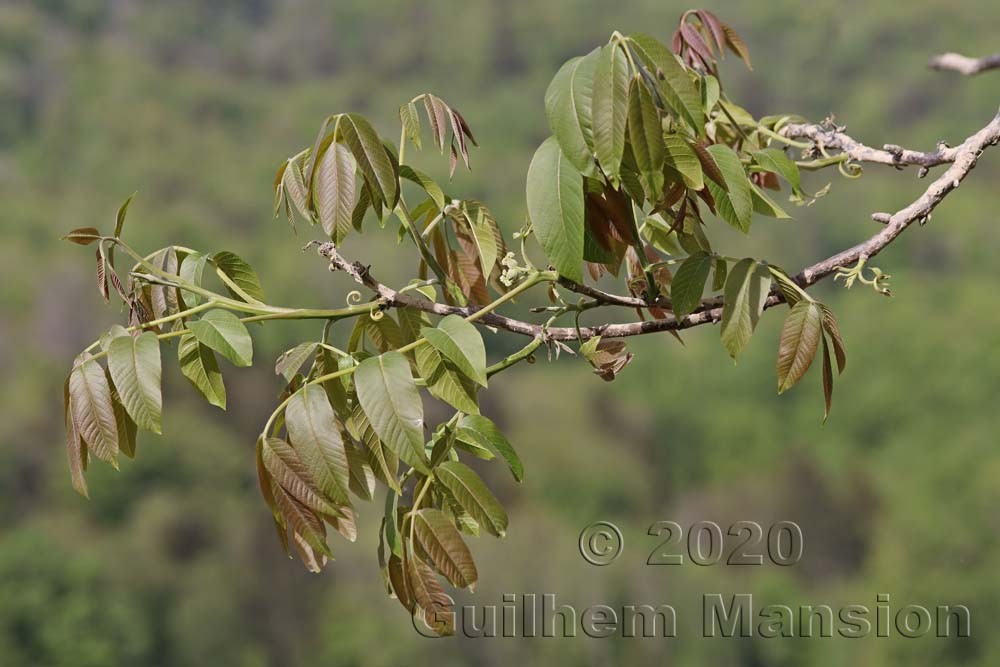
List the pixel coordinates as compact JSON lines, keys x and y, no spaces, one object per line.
{"x":555,"y":206}
{"x":315,"y":435}
{"x":473,"y":495}
{"x":443,"y":544}
{"x":223,"y":332}
{"x":134,"y":364}
{"x":746,"y":291}
{"x":607,"y":356}
{"x":198,"y":364}
{"x":800,"y":339}
{"x":102,"y":273}
{"x":389,"y":397}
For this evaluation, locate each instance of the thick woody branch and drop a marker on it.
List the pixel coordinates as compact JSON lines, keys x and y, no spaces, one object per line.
{"x":962,"y":158}
{"x":956,"y":62}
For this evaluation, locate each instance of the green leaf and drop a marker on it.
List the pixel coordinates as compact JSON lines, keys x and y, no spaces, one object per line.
{"x":676,"y":87}
{"x":291,"y":361}
{"x":800,"y":337}
{"x":460,"y":342}
{"x":198,"y":364}
{"x":481,"y":431}
{"x":775,"y":161}
{"x":134,"y":364}
{"x":445,"y":383}
{"x":241,"y":273}
{"x":765,"y":205}
{"x":555,"y":206}
{"x":610,"y":108}
{"x":473,"y":495}
{"x":334,"y":191}
{"x":680,"y":157}
{"x":568,"y":103}
{"x":688,"y":283}
{"x":223,"y":332}
{"x":120,"y":217}
{"x":92,"y":410}
{"x":119,"y":225}
{"x":389,"y":397}
{"x":746,"y":290}
{"x":426,"y":183}
{"x":646,"y":136}
{"x":383,"y":460}
{"x":719,"y":275}
{"x":314,"y":433}
{"x":444,"y":546}
{"x":736,"y":205}
{"x":285,"y":466}
{"x":191,"y":271}
{"x":371,"y":156}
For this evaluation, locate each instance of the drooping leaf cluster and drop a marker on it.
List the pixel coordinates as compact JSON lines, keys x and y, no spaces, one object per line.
{"x":645,"y":149}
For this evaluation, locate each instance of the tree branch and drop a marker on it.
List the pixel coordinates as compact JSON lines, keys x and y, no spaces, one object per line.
{"x":829,"y":136}
{"x":956,"y":62}
{"x":962,"y":158}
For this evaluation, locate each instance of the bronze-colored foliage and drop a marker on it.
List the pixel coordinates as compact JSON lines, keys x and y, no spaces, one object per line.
{"x":645,"y":144}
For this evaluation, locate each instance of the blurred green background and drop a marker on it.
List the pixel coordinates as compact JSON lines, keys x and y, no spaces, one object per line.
{"x":174,"y":562}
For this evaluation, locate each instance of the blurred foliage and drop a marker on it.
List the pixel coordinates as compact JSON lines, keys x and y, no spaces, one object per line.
{"x":193,"y":104}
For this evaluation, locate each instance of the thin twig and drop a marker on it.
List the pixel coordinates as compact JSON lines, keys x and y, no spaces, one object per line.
{"x":962,"y":158}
